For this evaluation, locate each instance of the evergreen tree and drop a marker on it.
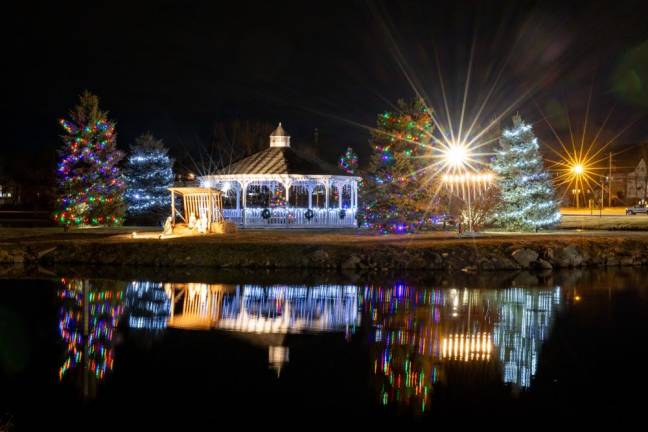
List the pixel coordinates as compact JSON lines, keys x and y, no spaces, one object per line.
{"x":149,"y":174}
{"x":90,"y":183}
{"x":527,"y":193}
{"x":396,"y":197}
{"x":348,"y":162}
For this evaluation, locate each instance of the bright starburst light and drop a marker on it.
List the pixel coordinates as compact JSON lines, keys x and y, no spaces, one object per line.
{"x":581,"y":161}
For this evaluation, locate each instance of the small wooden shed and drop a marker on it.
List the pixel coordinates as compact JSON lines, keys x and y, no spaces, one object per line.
{"x":201,"y":203}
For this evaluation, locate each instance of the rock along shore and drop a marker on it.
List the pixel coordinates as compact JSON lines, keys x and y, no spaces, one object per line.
{"x":482,"y":254}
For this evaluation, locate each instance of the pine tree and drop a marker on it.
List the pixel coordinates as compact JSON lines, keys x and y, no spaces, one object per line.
{"x":90,"y":183}
{"x":527,"y":193}
{"x":149,"y":174}
{"x":348,"y":162}
{"x":396,"y":195}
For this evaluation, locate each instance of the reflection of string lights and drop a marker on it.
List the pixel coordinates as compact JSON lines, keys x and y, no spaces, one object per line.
{"x":278,"y":356}
{"x":270,"y":309}
{"x":147,"y":305}
{"x":467,"y":347}
{"x":525,"y":320}
{"x":103,"y":309}
{"x":452,"y":325}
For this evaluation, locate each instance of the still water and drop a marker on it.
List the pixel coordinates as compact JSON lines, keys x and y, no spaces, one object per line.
{"x":102,"y":354}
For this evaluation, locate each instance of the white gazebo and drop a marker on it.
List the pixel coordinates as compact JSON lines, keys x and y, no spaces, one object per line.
{"x":278,"y":188}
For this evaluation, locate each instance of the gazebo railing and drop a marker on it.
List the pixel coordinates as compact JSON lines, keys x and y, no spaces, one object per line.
{"x":291,"y":217}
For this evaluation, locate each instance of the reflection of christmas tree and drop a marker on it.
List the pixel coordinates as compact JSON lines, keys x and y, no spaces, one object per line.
{"x":525,"y":320}
{"x":88,"y":318}
{"x":419,"y":333}
{"x":147,"y":305}
{"x":404,"y":348}
{"x":422,"y":338}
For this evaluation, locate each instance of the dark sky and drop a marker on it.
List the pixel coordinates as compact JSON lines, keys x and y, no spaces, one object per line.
{"x":176,"y":68}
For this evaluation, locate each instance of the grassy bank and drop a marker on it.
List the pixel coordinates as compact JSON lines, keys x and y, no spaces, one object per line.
{"x":308,"y":249}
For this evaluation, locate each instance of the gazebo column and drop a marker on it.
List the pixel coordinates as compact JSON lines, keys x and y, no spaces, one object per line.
{"x":340,"y":188}
{"x":244,"y":186}
{"x":327,"y":191}
{"x":238,"y":197}
{"x":173,"y":216}
{"x":310,"y":196}
{"x":354,"y":188}
{"x":287,"y":184}
{"x":327,"y":188}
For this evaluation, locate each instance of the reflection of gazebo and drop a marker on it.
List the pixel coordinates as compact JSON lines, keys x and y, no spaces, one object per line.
{"x":277,"y":187}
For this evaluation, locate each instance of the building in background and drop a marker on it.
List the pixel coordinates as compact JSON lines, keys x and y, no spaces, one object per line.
{"x":9,"y":193}
{"x":629,"y":177}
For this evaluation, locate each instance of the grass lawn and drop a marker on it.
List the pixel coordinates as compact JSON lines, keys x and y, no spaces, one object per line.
{"x":45,"y":237}
{"x":636,"y":222}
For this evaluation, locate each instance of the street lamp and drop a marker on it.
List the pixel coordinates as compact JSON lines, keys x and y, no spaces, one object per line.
{"x":577,"y":170}
{"x":456,"y":159}
{"x":456,"y":156}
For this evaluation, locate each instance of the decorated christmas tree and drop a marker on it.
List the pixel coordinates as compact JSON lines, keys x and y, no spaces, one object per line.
{"x":90,"y":183}
{"x":149,"y":174}
{"x":349,"y":161}
{"x":396,"y":195}
{"x":527,"y":193}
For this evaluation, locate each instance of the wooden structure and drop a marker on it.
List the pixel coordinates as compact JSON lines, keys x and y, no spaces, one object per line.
{"x":201,"y":203}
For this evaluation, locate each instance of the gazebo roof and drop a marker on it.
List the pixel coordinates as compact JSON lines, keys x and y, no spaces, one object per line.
{"x":278,"y":160}
{"x":279,"y":131}
{"x":194,"y":190}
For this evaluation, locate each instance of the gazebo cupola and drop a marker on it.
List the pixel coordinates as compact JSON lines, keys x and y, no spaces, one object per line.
{"x":279,"y":187}
{"x":279,"y":137}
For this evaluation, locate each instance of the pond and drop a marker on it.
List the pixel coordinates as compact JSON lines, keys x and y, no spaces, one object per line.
{"x":92,"y":352}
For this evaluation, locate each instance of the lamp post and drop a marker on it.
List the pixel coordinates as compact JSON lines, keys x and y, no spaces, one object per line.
{"x":577,"y":170}
{"x":456,"y":157}
{"x":576,"y":193}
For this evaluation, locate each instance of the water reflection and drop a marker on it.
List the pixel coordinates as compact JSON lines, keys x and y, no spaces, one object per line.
{"x":419,"y":338}
{"x":525,"y":318}
{"x":148,"y":305}
{"x":418,"y":334}
{"x":89,"y":315}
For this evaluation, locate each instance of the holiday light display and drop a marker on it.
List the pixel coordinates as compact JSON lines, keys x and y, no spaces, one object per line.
{"x":90,"y":182}
{"x":349,"y":161}
{"x":527,"y":192}
{"x":397,"y":200}
{"x":88,"y":319}
{"x":149,"y":174}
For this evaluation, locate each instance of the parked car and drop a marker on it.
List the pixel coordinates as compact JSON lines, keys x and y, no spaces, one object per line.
{"x":641,"y":207}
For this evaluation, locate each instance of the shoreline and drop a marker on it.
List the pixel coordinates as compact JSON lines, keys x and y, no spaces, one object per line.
{"x":332,"y":250}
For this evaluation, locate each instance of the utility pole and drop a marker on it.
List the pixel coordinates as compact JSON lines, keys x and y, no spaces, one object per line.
{"x":602,"y":189}
{"x":610,"y":181}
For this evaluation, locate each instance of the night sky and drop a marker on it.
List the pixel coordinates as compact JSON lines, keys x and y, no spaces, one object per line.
{"x":176,"y":68}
